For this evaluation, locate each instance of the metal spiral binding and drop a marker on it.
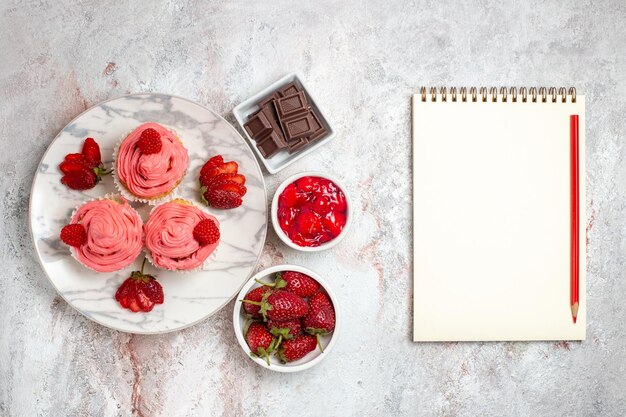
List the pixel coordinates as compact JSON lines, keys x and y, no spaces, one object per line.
{"x":533,"y":95}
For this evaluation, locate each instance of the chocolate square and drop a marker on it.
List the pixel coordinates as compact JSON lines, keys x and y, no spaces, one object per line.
{"x":297,"y":144}
{"x":271,"y":145}
{"x":319,"y":130}
{"x":258,"y":126}
{"x":289,"y":90}
{"x":299,"y":126}
{"x":291,"y":106}
{"x":270,"y":112}
{"x":269,"y":99}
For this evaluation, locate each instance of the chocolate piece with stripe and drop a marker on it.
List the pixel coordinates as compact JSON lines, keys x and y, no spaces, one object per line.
{"x":291,"y":106}
{"x":258,"y":126}
{"x":289,"y":90}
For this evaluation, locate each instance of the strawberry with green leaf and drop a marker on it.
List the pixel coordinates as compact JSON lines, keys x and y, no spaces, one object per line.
{"x":297,"y":348}
{"x":281,"y":305}
{"x":296,"y":282}
{"x":320,"y":319}
{"x":284,"y":330}
{"x":259,"y":340}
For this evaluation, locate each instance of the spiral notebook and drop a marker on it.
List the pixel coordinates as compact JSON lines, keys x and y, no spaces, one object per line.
{"x":492,"y":214}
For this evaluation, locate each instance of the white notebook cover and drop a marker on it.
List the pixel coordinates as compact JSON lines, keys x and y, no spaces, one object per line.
{"x":491,"y":216}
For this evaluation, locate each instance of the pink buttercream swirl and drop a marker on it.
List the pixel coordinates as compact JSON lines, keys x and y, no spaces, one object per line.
{"x":154,"y":175}
{"x":169,"y":236}
{"x":114,"y":234}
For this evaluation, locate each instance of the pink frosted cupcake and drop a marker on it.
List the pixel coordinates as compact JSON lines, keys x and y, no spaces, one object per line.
{"x":105,"y":235}
{"x":180,"y":236}
{"x":150,"y":163}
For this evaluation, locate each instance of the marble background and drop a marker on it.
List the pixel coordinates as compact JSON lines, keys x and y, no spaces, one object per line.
{"x":363,"y":59}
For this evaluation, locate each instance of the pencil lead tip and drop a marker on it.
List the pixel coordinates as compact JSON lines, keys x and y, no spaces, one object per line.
{"x":575,"y":311}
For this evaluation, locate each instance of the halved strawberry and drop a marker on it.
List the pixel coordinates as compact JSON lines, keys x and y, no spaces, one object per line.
{"x":230,"y":167}
{"x":154,"y":291}
{"x":239,"y":189}
{"x":80,"y":179}
{"x":91,"y":152}
{"x":123,"y":294}
{"x":221,"y":199}
{"x":227,"y":185}
{"x":206,"y":178}
{"x":145,"y":303}
{"x":68,"y":166}
{"x":238,"y":178}
{"x":212,"y":163}
{"x":134,"y":305}
{"x":75,"y":157}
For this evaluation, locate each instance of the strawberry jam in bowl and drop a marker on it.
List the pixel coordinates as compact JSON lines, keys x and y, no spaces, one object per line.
{"x":311,"y":211}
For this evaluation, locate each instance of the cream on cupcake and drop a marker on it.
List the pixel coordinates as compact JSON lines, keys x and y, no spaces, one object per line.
{"x":150,"y":162}
{"x":105,"y":235}
{"x":180,"y":236}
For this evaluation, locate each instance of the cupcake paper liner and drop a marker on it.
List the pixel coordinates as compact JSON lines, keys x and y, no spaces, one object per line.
{"x":109,"y":196}
{"x":171,"y":195}
{"x":201,"y":267}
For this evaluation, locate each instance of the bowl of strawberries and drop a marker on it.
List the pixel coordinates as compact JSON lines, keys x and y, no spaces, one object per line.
{"x":285,"y":318}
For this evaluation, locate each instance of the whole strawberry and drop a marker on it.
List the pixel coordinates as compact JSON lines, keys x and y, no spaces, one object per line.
{"x":296,"y":282}
{"x":281,"y":305}
{"x":320,"y":300}
{"x":206,"y":232}
{"x":297,"y":348}
{"x":256,"y":296}
{"x":287,"y":329}
{"x":74,"y":235}
{"x":150,"y":141}
{"x":320,"y":320}
{"x":260,"y":340}
{"x":140,"y":292}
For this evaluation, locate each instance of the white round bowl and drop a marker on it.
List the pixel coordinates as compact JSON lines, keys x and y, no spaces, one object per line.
{"x":284,"y":237}
{"x":312,"y":358}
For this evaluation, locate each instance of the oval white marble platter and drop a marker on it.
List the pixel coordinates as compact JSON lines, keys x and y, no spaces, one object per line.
{"x":189,"y":297}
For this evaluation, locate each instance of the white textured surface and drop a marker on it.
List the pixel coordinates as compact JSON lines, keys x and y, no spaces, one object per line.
{"x":363,"y":60}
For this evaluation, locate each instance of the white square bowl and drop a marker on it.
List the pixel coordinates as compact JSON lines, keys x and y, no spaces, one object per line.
{"x":282,"y":159}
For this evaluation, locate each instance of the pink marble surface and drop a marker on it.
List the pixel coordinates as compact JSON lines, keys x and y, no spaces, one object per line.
{"x":364,"y":60}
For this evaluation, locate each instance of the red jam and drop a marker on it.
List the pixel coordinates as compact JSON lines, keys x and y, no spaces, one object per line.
{"x":312,"y":211}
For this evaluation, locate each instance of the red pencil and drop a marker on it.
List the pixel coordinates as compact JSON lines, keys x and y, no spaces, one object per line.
{"x":575,"y":217}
